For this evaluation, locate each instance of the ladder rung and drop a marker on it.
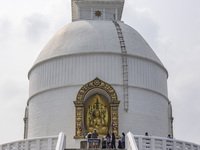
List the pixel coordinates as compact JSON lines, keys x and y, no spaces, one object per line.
{"x":124,"y":64}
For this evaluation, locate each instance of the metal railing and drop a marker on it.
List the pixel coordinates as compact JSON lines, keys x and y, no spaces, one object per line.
{"x":157,"y":143}
{"x":42,"y":143}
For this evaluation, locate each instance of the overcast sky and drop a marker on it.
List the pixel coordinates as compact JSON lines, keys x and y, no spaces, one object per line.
{"x":171,"y":27}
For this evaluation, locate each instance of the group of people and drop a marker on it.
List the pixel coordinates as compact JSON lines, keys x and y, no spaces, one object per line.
{"x":107,"y":142}
{"x":92,"y":135}
{"x":110,"y":141}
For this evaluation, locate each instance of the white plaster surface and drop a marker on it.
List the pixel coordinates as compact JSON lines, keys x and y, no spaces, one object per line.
{"x":52,"y":112}
{"x":95,"y":36}
{"x":80,"y":69}
{"x":84,"y":9}
{"x":82,"y":51}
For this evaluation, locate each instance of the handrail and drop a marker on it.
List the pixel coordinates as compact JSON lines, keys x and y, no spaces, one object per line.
{"x":61,"y":143}
{"x":162,"y":143}
{"x":40,"y":143}
{"x":130,"y":142}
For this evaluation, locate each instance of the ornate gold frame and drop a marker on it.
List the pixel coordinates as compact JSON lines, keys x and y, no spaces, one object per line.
{"x":79,"y":104}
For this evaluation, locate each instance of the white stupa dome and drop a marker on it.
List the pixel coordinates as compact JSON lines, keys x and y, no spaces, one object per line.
{"x":90,"y":36}
{"x":91,"y":50}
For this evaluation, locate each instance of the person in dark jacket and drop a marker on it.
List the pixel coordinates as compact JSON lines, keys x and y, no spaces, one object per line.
{"x":113,"y":141}
{"x":103,"y":143}
{"x":89,"y":136}
{"x":119,"y":144}
{"x":95,"y":135}
{"x":123,"y":140}
{"x":108,"y":140}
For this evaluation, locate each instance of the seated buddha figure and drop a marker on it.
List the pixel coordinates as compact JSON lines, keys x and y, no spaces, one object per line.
{"x":98,"y":123}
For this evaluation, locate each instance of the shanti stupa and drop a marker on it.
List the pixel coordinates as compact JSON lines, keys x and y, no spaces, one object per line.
{"x":97,"y":73}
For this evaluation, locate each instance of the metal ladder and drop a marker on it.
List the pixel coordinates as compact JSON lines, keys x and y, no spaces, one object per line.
{"x":124,"y":64}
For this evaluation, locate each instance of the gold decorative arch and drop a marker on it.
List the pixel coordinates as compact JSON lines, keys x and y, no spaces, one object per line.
{"x":80,"y":107}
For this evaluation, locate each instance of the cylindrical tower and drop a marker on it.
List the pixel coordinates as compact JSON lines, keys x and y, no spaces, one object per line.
{"x":97,"y":60}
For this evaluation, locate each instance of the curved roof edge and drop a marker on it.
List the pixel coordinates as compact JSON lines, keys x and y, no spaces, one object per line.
{"x":86,"y":53}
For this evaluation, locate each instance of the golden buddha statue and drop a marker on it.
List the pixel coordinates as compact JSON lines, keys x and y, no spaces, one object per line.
{"x":98,"y":123}
{"x":97,"y":115}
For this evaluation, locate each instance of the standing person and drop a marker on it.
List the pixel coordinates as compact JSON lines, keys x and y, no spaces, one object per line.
{"x":89,"y":136}
{"x":108,"y":141}
{"x":169,"y":136}
{"x":123,"y":140}
{"x":113,"y":141}
{"x":119,"y":143}
{"x":103,"y":143}
{"x":95,"y":136}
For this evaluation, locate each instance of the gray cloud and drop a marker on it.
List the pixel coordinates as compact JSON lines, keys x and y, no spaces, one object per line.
{"x":171,"y":29}
{"x":175,"y":38}
{"x":5,"y":29}
{"x":142,"y":21}
{"x":11,"y":89}
{"x":36,"y":26}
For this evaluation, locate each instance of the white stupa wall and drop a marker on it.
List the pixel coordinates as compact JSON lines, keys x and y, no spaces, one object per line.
{"x":148,"y":112}
{"x":52,"y":112}
{"x":82,"y":51}
{"x":54,"y":86}
{"x":80,"y":69}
